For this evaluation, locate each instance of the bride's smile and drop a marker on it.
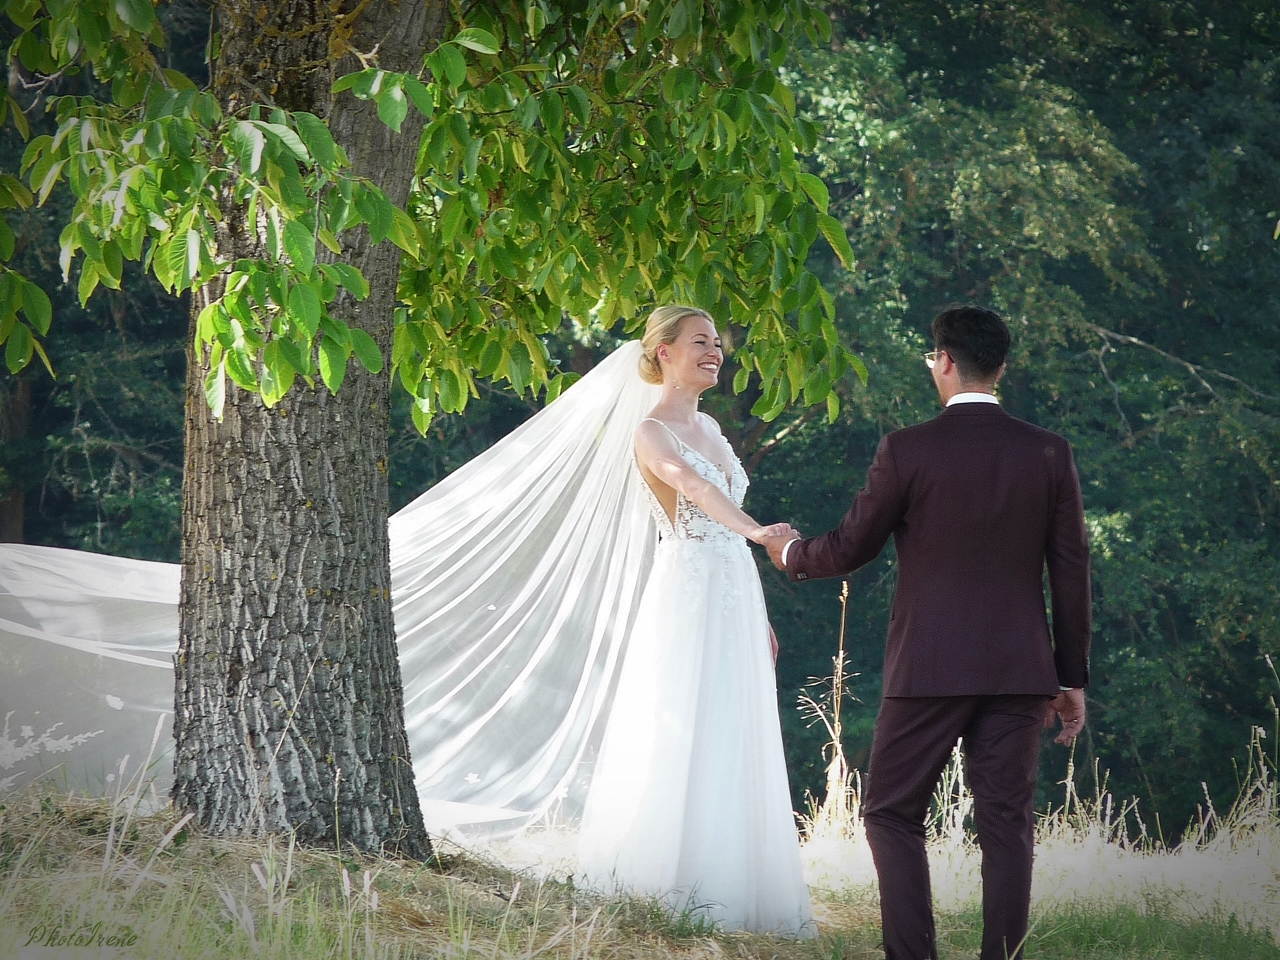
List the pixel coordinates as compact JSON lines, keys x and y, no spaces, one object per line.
{"x":695,"y":357}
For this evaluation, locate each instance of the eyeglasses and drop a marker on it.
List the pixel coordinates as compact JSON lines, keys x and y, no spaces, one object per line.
{"x":931,"y":357}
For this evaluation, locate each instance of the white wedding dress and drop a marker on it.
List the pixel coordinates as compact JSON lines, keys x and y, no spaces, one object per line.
{"x":689,"y":799}
{"x":519,"y":583}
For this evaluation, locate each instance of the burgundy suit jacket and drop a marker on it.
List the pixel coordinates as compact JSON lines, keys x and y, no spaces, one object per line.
{"x":978,"y":503}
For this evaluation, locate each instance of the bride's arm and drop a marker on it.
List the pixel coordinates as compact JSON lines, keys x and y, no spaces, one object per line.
{"x":658,"y":452}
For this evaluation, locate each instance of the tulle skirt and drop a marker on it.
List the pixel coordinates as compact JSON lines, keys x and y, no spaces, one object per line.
{"x":689,"y":799}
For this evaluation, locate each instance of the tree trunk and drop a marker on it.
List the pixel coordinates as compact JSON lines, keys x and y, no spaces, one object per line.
{"x":289,"y":705}
{"x":15,"y":421}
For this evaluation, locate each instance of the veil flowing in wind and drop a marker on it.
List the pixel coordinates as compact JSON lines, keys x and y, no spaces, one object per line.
{"x":515,"y":584}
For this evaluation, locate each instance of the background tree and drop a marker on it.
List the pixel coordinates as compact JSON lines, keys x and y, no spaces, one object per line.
{"x":1103,"y":174}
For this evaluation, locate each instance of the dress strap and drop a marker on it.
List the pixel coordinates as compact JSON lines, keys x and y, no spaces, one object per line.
{"x":675,"y":436}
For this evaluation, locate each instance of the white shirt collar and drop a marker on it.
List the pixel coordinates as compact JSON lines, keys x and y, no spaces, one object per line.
{"x":973,"y":398}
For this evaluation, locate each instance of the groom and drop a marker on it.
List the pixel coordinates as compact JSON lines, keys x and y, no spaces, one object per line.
{"x":978,"y":504}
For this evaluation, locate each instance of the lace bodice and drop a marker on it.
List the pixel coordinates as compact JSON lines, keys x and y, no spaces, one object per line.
{"x":691,"y":523}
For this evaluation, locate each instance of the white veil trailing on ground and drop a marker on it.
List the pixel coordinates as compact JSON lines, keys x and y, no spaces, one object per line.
{"x":515,"y":583}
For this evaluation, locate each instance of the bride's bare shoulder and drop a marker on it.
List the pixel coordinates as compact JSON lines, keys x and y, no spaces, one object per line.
{"x":711,"y":423}
{"x":652,"y":430}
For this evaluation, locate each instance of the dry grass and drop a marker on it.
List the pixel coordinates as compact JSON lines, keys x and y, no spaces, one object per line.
{"x":1094,"y":858}
{"x":70,"y":864}
{"x":92,"y":879}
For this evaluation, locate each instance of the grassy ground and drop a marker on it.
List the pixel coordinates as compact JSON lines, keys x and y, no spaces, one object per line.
{"x":81,"y":879}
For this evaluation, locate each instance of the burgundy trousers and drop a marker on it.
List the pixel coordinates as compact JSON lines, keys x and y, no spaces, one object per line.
{"x":913,"y":740}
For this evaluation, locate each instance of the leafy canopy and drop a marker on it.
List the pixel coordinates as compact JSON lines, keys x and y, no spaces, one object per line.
{"x":584,"y":159}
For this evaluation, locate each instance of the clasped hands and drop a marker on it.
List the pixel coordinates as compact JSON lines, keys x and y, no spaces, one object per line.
{"x":774,"y":538}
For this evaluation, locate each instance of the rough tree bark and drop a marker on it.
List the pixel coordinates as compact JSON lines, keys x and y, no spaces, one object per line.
{"x":289,"y":705}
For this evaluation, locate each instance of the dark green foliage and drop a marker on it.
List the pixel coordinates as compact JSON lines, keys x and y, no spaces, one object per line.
{"x":101,"y":462}
{"x":1105,"y":175}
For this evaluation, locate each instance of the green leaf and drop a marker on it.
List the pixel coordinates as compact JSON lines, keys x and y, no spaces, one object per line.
{"x":375,"y":209}
{"x":300,"y":245}
{"x":333,"y":363}
{"x":88,"y":242}
{"x":551,"y":109}
{"x":215,"y":389}
{"x":403,"y":233}
{"x":88,"y":282}
{"x":490,"y":358}
{"x":18,"y":349}
{"x":678,"y":22}
{"x":422,"y":412}
{"x":393,"y":106}
{"x":6,"y":240}
{"x":350,"y":278}
{"x":366,"y":350}
{"x":241,"y":372}
{"x":481,"y":41}
{"x":137,"y":14}
{"x":452,"y":63}
{"x":579,"y":103}
{"x":420,"y":95}
{"x":452,"y":392}
{"x":49,"y":181}
{"x":292,"y":142}
{"x":349,"y":80}
{"x":452,"y":219}
{"x":815,"y":189}
{"x":19,"y":117}
{"x":859,"y":367}
{"x":16,"y":192}
{"x":338,"y":331}
{"x":277,"y":374}
{"x":315,"y":134}
{"x":304,"y":306}
{"x":833,"y":230}
{"x":329,"y":240}
{"x":519,"y":370}
{"x":36,"y":306}
{"x":248,"y":143}
{"x":44,"y":357}
{"x":833,"y":406}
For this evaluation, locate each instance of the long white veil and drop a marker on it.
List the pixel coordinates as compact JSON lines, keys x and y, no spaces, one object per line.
{"x":515,"y":583}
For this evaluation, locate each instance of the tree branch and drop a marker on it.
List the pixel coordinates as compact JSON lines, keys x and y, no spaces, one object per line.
{"x":1194,"y":369}
{"x":761,"y":451}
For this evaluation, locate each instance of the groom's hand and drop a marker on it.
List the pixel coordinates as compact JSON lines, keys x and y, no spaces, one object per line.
{"x":1069,"y":705}
{"x":776,"y":544}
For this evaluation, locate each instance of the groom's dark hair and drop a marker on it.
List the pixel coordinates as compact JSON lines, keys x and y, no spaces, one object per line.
{"x":976,"y":338}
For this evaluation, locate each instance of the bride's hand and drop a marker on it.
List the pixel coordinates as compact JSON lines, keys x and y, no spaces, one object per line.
{"x":772,"y":530}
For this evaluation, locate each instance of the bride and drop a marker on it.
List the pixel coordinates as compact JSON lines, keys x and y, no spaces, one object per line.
{"x":689,"y":798}
{"x":559,"y":663}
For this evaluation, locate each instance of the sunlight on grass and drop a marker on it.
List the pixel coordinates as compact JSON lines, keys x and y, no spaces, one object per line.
{"x":88,"y":879}
{"x":103,"y":879}
{"x":1098,"y":891}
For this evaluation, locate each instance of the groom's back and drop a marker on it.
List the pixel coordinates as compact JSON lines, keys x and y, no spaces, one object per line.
{"x":986,"y":499}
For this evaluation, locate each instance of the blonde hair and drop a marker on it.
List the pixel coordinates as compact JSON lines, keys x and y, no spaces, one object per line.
{"x":663,"y":326}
